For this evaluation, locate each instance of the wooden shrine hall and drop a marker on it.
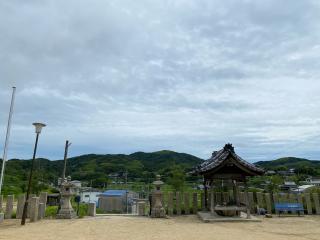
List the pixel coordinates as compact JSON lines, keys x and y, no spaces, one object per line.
{"x":225,"y":169}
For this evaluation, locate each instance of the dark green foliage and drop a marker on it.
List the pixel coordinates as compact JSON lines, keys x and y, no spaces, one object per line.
{"x":177,"y":177}
{"x":51,"y":211}
{"x":95,"y":169}
{"x":142,"y":167}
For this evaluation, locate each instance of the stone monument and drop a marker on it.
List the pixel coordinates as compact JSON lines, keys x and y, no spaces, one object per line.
{"x":34,"y":208}
{"x":92,"y":209}
{"x":67,"y":191}
{"x":157,"y":210}
{"x":20,"y":205}
{"x":9,"y":207}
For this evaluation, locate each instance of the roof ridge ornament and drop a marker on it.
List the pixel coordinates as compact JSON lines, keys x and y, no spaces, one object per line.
{"x":229,"y":147}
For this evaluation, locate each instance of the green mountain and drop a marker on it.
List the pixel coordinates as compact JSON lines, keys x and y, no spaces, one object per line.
{"x":301,"y":165}
{"x":98,"y":170}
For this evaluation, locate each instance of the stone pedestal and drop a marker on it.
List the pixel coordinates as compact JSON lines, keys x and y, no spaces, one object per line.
{"x":92,"y":209}
{"x":9,"y":207}
{"x":158,"y":210}
{"x":141,"y":208}
{"x":34,"y":209}
{"x":66,"y":211}
{"x":20,"y":205}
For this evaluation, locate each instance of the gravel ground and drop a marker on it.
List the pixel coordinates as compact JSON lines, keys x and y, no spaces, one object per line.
{"x":184,"y":228}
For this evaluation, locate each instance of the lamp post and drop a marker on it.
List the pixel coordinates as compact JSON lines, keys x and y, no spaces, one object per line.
{"x":38,"y":127}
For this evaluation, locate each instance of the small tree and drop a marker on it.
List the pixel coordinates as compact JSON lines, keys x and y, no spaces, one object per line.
{"x":177,"y":177}
{"x":275,"y":182}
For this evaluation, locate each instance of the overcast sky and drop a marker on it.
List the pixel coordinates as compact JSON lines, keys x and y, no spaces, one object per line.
{"x":117,"y":76}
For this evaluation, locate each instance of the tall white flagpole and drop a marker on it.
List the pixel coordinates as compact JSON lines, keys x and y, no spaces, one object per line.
{"x":6,"y":144}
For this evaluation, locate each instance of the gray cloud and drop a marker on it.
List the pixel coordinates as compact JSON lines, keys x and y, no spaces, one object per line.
{"x":122,"y":76}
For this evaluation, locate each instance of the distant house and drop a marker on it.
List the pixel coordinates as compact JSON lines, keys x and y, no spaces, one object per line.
{"x":283,"y":173}
{"x":89,"y":195}
{"x":270,"y":172}
{"x":292,"y":171}
{"x":288,"y":186}
{"x":314,"y":181}
{"x":302,"y":188}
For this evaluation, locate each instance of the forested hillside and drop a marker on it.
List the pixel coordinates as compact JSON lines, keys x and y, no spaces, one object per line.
{"x":98,"y":169}
{"x":301,"y":165}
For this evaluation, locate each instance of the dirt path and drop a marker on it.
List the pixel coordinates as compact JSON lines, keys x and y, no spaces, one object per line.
{"x":184,"y":228}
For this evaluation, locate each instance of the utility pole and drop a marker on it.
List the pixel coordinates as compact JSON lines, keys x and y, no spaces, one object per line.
{"x":5,"y":149}
{"x":66,"y":148}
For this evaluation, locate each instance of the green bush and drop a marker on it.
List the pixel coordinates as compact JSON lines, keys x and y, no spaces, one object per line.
{"x":51,"y":211}
{"x":83,"y":210}
{"x":14,"y":214}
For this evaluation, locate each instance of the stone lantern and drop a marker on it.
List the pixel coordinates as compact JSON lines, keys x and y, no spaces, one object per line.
{"x":157,"y":210}
{"x":67,"y":191}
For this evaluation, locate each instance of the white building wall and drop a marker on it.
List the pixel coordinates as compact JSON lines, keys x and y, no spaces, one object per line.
{"x":89,"y":197}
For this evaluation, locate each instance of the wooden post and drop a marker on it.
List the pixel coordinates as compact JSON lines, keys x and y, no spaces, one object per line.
{"x":235,"y":193}
{"x":292,"y":199}
{"x":218,"y":198}
{"x":205,"y":195}
{"x":170,"y":203}
{"x":260,"y":200}
{"x":308,"y":201}
{"x":231,"y":195}
{"x":209,"y":199}
{"x":66,"y":148}
{"x":186,"y":203}
{"x":283,"y":199}
{"x":251,"y":202}
{"x":195,"y":203}
{"x":225,"y":197}
{"x":247,"y":200}
{"x":300,"y":200}
{"x":315,"y":197}
{"x":242,"y":197}
{"x":268,"y":202}
{"x":202,"y":202}
{"x":276,"y":200}
{"x":178,"y":203}
{"x":212,"y":202}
